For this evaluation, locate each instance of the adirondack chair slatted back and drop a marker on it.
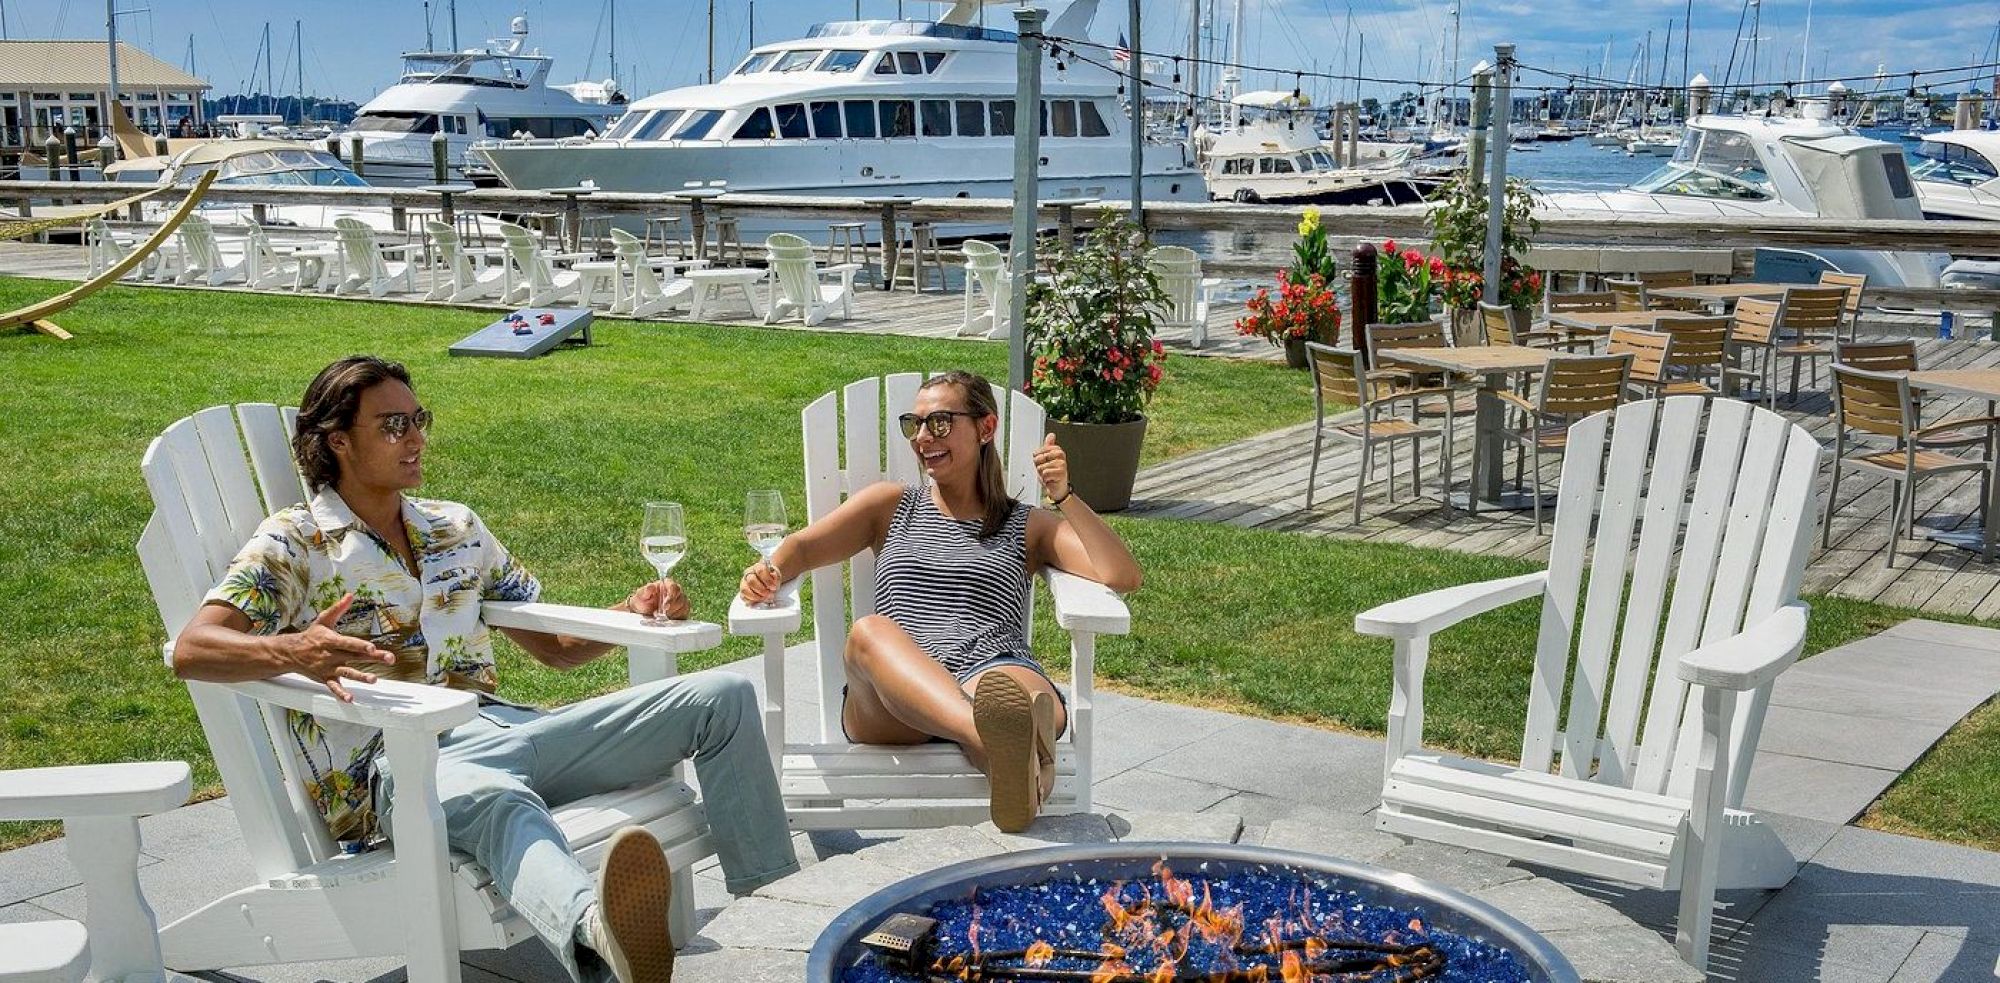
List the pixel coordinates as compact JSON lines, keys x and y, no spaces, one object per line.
{"x":529,"y":261}
{"x":204,"y":253}
{"x":449,"y":248}
{"x":630,"y":253}
{"x":1178,"y":269}
{"x":792,"y":265}
{"x":101,"y":245}
{"x":1740,"y":521}
{"x":357,"y":248}
{"x":862,"y":421}
{"x":211,"y":487}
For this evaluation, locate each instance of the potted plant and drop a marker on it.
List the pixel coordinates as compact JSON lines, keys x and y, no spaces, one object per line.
{"x":1089,"y":328}
{"x":1306,"y":307}
{"x":1405,"y":283}
{"x":1458,"y":237}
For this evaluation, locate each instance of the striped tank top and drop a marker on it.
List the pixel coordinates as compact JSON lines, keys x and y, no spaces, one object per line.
{"x":962,"y":598}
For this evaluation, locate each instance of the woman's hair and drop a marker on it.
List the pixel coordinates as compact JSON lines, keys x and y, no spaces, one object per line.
{"x":329,"y":407}
{"x":992,"y":484}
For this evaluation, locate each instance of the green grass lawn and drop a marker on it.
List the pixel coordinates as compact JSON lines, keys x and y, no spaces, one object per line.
{"x":557,"y":454}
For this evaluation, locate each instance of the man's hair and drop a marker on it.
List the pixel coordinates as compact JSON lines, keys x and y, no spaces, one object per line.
{"x":329,"y":407}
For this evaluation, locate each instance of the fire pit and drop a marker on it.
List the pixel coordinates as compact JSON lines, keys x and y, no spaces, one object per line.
{"x":1176,"y":913}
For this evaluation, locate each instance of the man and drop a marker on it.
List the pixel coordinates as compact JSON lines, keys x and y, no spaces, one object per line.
{"x":365,"y":580}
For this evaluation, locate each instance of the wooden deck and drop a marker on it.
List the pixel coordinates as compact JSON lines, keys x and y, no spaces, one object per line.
{"x":932,"y":314}
{"x":1261,"y":483}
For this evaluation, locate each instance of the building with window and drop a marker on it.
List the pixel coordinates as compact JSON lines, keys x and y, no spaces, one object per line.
{"x":48,"y":85}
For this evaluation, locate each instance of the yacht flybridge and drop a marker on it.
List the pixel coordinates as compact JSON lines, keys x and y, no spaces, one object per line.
{"x":873,"y":108}
{"x":499,"y":90}
{"x":1783,"y":167}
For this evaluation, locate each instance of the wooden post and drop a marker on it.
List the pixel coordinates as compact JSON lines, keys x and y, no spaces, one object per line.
{"x":1361,"y":298}
{"x":1136,"y":86}
{"x":354,"y":151}
{"x":69,"y":152}
{"x":1496,"y":185}
{"x":333,"y":147}
{"x":52,"y":156}
{"x":439,"y":170}
{"x":259,"y":214}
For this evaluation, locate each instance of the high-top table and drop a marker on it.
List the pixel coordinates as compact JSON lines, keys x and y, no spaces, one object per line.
{"x":697,"y":199}
{"x":888,"y":204}
{"x":573,"y":212}
{"x":1601,"y":322}
{"x":1494,"y":364}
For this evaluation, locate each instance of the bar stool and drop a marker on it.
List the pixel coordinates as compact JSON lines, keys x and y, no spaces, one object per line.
{"x":848,"y":238}
{"x":918,"y":254}
{"x":593,"y":234}
{"x":668,"y":229}
{"x":727,"y":237}
{"x":547,"y":226}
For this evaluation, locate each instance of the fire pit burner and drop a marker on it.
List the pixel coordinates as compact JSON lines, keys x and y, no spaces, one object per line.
{"x":1175,"y":913}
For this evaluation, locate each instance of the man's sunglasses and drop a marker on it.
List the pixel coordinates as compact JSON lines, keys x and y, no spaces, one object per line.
{"x":396,"y":426}
{"x":939,"y":422}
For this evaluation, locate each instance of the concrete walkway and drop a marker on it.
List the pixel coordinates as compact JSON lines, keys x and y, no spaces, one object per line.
{"x":1867,"y":906}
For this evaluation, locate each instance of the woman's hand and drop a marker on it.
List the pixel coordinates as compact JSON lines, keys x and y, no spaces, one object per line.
{"x":760,"y":583}
{"x":659,"y":598}
{"x":1052,"y":468}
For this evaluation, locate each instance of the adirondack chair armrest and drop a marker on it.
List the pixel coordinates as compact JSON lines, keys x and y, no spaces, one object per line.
{"x":385,"y":703}
{"x":1426,"y":614}
{"x":783,"y":617}
{"x":1086,"y":605}
{"x":842,"y":270}
{"x":136,"y":788}
{"x":602,"y":625}
{"x":412,"y":247}
{"x":1752,"y":657}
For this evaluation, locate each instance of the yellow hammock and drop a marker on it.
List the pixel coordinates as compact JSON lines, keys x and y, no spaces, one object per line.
{"x":36,"y":316}
{"x":23,"y":228}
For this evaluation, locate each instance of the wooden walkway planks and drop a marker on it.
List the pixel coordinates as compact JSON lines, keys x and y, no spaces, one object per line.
{"x":1261,"y":483}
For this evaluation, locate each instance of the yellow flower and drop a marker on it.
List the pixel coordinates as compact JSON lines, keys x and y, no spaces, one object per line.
{"x":1310,"y":222}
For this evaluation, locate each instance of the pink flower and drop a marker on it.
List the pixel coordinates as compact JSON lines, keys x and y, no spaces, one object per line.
{"x":1159,"y":349}
{"x":1437,"y":266}
{"x":1153,"y":372}
{"x":1118,"y":374}
{"x":1389,"y":247}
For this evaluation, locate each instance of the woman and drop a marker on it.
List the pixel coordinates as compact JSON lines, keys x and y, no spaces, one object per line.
{"x":946,"y":655}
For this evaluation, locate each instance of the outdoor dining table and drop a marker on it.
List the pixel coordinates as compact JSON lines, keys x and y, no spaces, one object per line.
{"x":1722,"y":295}
{"x":1600,"y":322}
{"x":890,"y":243}
{"x":1979,"y":384}
{"x":698,"y":215}
{"x":573,"y":212}
{"x":1494,"y":364}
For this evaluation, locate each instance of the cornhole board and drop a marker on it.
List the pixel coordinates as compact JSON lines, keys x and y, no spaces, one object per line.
{"x":498,"y":340}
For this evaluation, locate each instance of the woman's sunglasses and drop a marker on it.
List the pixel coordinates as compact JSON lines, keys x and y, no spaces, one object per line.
{"x":939,"y":422}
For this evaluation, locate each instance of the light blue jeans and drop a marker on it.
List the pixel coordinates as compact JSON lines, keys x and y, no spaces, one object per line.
{"x":501,"y":773}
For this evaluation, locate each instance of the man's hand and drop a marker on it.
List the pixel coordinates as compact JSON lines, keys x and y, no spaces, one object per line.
{"x":326,"y":655}
{"x":660,"y":598}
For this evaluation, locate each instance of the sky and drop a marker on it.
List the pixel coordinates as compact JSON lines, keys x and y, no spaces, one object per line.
{"x":352,"y":46}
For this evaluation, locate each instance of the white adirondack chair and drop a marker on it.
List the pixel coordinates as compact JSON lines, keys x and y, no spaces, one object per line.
{"x":202,"y":257}
{"x":268,"y":268}
{"x":367,"y":269}
{"x":1178,"y":269}
{"x":533,"y":280}
{"x":831,"y":783}
{"x":100,"y":806}
{"x":1660,"y":808}
{"x":642,"y":290}
{"x":459,"y":281}
{"x":986,"y":274}
{"x":105,"y":249}
{"x":798,"y":288}
{"x":312,"y":902}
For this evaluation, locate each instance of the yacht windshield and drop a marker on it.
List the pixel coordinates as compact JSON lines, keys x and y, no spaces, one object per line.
{"x":1949,"y":162}
{"x":281,"y":167}
{"x":756,"y":63}
{"x":1711,"y":165}
{"x":796,"y":61}
{"x":391,"y":121}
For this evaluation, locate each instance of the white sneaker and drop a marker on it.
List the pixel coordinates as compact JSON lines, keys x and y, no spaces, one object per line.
{"x":634,"y":888}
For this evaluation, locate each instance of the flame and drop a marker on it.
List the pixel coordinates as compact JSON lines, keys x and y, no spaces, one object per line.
{"x":1416,"y":925}
{"x":1039,"y":954}
{"x":1291,"y":969}
{"x":972,"y":933}
{"x":1110,"y":970}
{"x":1315,"y":948}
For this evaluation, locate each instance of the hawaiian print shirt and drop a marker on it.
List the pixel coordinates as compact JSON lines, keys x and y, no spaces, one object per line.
{"x":304,"y":558}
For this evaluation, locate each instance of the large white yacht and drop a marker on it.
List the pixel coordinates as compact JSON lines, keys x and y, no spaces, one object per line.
{"x":1273,"y":153}
{"x":499,"y":90}
{"x":1958,"y":174}
{"x":1782,"y":167}
{"x":867,"y":108}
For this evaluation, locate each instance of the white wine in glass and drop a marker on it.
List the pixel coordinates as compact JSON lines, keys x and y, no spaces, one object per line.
{"x":764,"y":522}
{"x":663,"y":539}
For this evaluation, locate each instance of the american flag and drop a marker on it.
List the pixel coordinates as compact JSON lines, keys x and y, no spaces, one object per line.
{"x":1123,"y":53}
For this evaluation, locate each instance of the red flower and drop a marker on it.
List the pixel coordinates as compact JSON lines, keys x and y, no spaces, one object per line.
{"x":1437,"y":266}
{"x":1153,"y":373}
{"x":1389,"y":247}
{"x":1159,"y":349}
{"x":1118,"y":375}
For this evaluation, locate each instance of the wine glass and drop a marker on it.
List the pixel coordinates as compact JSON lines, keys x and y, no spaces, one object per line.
{"x":764,"y":521}
{"x":663,"y":540}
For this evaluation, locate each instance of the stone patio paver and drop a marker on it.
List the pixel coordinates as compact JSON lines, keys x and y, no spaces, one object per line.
{"x":1867,"y":906}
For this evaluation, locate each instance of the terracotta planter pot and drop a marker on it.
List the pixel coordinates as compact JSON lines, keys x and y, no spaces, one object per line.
{"x":1103,"y":459}
{"x":1295,"y":352}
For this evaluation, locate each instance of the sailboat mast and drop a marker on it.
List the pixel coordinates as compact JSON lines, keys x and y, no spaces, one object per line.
{"x":1805,"y":48}
{"x":614,"y":40}
{"x":1194,"y":64}
{"x":453,"y":6}
{"x":270,"y":55}
{"x":298,"y":35}
{"x":711,"y":40}
{"x":111,"y":39}
{"x":1232,"y":78}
